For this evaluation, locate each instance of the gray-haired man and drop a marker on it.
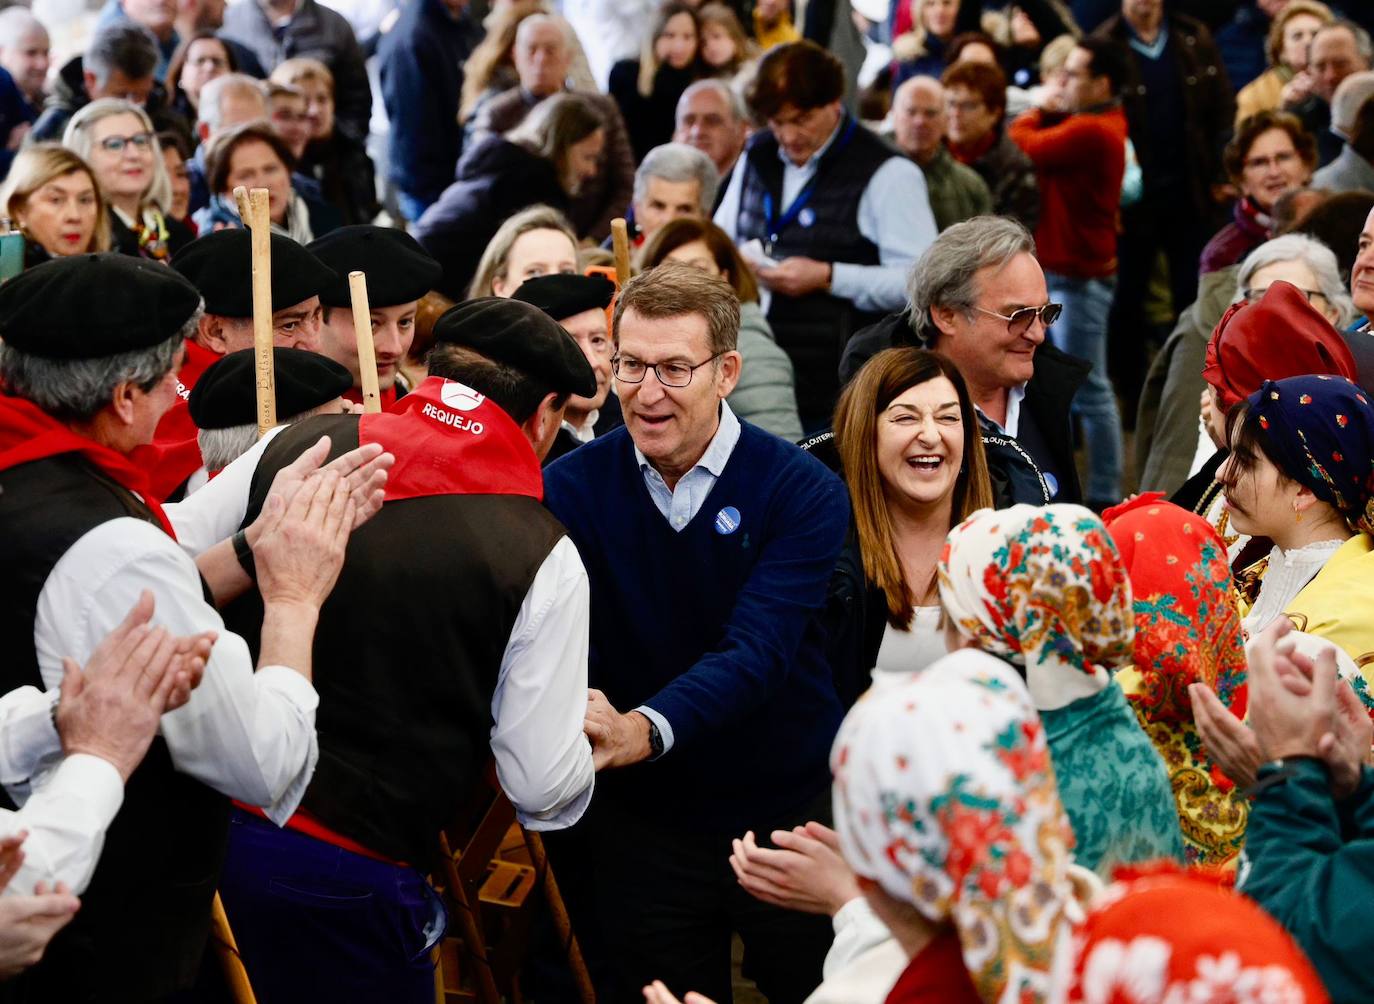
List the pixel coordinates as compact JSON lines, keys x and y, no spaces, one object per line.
{"x":675,"y":181}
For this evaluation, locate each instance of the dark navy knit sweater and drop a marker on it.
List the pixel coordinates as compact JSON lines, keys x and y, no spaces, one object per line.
{"x":715,"y":627}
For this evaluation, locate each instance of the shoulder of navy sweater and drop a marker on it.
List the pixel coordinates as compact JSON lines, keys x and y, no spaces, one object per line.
{"x":812,"y":489}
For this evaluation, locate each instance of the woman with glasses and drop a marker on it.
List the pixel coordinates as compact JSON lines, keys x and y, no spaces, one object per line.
{"x":1270,"y":154}
{"x":50,"y":196}
{"x":200,"y":58}
{"x":117,"y":140}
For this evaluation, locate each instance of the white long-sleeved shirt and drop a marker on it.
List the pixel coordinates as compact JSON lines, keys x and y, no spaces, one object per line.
{"x":543,"y":759}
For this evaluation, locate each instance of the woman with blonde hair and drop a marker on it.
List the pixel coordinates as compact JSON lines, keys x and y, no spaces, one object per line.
{"x":535,"y":241}
{"x":51,"y":197}
{"x":912,"y":457}
{"x":725,"y":48}
{"x":544,"y":160}
{"x":116,"y":138}
{"x":1290,"y":34}
{"x":647,"y":89}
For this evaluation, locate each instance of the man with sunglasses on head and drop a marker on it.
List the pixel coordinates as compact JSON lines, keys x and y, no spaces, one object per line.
{"x":979,"y":296}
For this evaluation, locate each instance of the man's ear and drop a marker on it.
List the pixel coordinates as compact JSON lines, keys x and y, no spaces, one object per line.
{"x":210,"y":333}
{"x":90,"y":82}
{"x":122,"y":401}
{"x":541,"y":428}
{"x":946,"y":319}
{"x":731,"y":364}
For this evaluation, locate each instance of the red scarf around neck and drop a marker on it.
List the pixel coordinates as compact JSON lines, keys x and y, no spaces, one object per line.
{"x":174,"y":454}
{"x":450,"y":440}
{"x":28,"y":433}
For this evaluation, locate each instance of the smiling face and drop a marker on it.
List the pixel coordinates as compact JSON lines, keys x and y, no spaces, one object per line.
{"x":676,"y":44}
{"x":393,"y":329}
{"x":672,"y":426}
{"x":27,"y":61}
{"x":1271,"y":167}
{"x":535,"y":253}
{"x":920,"y":444}
{"x":981,"y":345}
{"x":125,"y":173}
{"x":60,"y":214}
{"x":1362,"y":275}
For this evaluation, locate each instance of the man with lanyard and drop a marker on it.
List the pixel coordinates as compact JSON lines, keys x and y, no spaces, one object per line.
{"x":829,"y":215}
{"x":462,"y":604}
{"x":89,"y":359}
{"x":219,"y":266}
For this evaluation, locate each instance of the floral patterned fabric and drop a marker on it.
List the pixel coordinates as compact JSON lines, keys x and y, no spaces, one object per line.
{"x":1182,"y":938}
{"x":1187,"y":630}
{"x":1044,"y":589}
{"x":945,"y":795}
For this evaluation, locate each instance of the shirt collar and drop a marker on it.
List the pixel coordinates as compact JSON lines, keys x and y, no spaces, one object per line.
{"x":1015,"y":396}
{"x":810,"y":164}
{"x":718,"y":451}
{"x":586,"y":432}
{"x":1153,"y":50}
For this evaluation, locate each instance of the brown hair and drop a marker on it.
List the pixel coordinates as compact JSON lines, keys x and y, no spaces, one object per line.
{"x":496,"y":258}
{"x":554,"y":126}
{"x":801,"y":74}
{"x":300,"y":68}
{"x":36,"y":165}
{"x":723,"y":16}
{"x":674,"y":234}
{"x":888,"y":374}
{"x":222,"y":147}
{"x":648,"y":56}
{"x":676,"y":289}
{"x":1273,"y":46}
{"x":1255,"y":126}
{"x":178,"y":61}
{"x":987,"y":81}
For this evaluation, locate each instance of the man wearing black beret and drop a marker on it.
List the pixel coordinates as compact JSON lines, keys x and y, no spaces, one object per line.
{"x":220,"y":267}
{"x":578,"y":303}
{"x":224,"y":401}
{"x":462,"y":604}
{"x":399,"y":273}
{"x":89,"y":356}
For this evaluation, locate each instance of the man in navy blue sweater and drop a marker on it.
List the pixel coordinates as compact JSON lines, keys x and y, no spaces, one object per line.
{"x":709,"y":544}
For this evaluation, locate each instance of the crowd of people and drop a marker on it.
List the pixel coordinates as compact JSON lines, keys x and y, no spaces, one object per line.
{"x":939,"y":571}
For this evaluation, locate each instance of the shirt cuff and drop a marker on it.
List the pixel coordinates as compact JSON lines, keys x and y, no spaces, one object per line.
{"x":286,"y":680}
{"x":665,"y":731}
{"x":96,"y":780}
{"x":852,"y":913}
{"x":29,"y":733}
{"x":846,"y":280}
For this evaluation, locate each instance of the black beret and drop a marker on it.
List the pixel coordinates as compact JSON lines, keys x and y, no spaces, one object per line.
{"x":226,"y":393}
{"x":92,"y":306}
{"x":220,"y":264}
{"x":521,"y":336}
{"x":398,"y":269}
{"x":564,"y":295}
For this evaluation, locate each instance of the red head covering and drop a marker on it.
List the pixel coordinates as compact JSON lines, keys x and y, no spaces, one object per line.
{"x":1180,"y":936}
{"x":1281,"y":336}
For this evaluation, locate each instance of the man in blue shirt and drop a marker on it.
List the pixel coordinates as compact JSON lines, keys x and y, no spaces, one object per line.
{"x":709,"y":545}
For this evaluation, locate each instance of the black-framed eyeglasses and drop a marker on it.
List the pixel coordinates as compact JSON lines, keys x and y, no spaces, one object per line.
{"x":116,"y":144}
{"x":1255,"y":295}
{"x":628,"y":369}
{"x":1019,"y":321}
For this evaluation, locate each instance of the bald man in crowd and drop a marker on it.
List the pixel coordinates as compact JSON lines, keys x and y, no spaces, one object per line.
{"x":957,"y":192}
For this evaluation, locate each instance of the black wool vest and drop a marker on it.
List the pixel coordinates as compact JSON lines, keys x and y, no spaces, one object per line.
{"x":145,"y":917}
{"x":813,"y":329}
{"x":408,"y":650}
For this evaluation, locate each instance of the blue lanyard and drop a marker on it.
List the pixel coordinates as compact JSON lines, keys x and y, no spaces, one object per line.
{"x":776,"y":226}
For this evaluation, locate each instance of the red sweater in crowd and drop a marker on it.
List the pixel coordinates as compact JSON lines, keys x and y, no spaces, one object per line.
{"x":1080,"y":161}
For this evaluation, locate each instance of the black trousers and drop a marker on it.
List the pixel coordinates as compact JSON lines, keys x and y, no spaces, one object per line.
{"x":650,"y":901}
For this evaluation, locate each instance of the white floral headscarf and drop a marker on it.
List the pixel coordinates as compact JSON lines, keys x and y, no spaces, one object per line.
{"x":945,"y":795}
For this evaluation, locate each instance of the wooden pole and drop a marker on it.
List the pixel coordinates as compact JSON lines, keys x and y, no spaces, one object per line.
{"x":254,"y":211}
{"x":620,"y":242}
{"x":362,"y":330}
{"x":234,"y":973}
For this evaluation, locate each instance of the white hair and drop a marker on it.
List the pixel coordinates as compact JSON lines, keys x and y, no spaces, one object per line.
{"x":16,"y":24}
{"x":678,"y":162}
{"x":1312,"y":253}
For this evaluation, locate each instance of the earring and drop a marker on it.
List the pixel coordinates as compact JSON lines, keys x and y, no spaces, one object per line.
{"x":1297,"y":515}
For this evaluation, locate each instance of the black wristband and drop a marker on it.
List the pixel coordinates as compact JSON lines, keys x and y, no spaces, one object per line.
{"x":1277,"y":772}
{"x":245,"y":554}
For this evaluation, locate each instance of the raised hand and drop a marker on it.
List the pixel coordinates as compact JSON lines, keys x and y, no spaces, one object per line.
{"x":1229,"y":741}
{"x":805,"y":873}
{"x":301,"y":549}
{"x":363,"y":471}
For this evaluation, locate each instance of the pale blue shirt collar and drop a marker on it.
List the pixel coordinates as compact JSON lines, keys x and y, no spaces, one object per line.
{"x":1152,"y":50}
{"x":718,"y":451}
{"x":681,"y":503}
{"x":810,"y":164}
{"x":1013,"y":423}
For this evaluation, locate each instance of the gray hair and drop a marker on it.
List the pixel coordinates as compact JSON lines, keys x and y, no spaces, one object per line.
{"x":540,"y":19}
{"x":78,"y":139}
{"x":129,"y":48}
{"x":678,"y":162}
{"x":16,"y":23}
{"x":1364,"y":46}
{"x":212,"y":93}
{"x":1312,"y":253}
{"x":221,"y":447}
{"x":1351,"y":94}
{"x":77,"y":389}
{"x":945,"y":275}
{"x":732,"y":99}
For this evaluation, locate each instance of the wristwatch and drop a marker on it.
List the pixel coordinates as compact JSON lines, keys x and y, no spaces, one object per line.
{"x":655,"y":739}
{"x":244,"y":553}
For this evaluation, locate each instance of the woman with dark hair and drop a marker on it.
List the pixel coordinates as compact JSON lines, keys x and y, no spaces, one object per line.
{"x":175,"y":153}
{"x":908,"y":442}
{"x":647,"y":89}
{"x":254,"y":156}
{"x":1270,"y":154}
{"x":546,"y":159}
{"x":200,"y":58}
{"x":766,"y":393}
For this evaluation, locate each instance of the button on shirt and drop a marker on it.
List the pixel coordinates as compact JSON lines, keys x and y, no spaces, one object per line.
{"x":681,"y":503}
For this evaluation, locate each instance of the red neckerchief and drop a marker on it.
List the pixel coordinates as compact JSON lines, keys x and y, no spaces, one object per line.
{"x":28,"y":433}
{"x":174,"y":454}
{"x":968,"y":155}
{"x":937,"y":974}
{"x":388,"y":396}
{"x":450,"y":440}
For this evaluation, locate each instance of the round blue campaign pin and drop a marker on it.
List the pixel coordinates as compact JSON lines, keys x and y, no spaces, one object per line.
{"x":806,"y":217}
{"x":727,"y":520}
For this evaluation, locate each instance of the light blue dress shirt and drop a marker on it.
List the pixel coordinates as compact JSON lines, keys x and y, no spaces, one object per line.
{"x":894,"y":213}
{"x":681,"y":503}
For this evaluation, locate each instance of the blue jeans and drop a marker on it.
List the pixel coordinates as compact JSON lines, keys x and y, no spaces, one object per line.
{"x":314,"y":922}
{"x":1082,"y":331}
